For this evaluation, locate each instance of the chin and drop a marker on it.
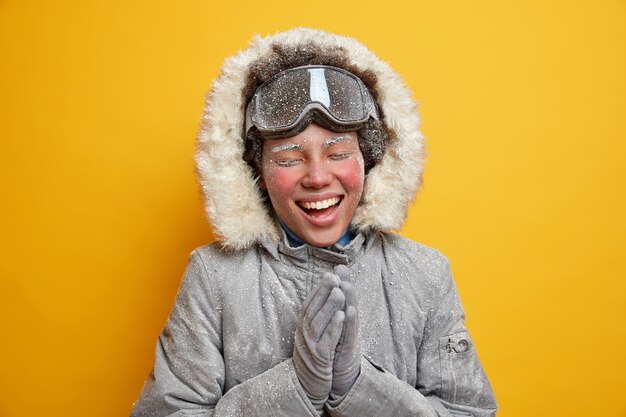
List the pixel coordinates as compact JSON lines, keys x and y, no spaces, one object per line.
{"x":323,"y":240}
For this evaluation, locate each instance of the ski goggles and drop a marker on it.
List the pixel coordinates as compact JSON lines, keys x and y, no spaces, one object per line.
{"x":281,"y":104}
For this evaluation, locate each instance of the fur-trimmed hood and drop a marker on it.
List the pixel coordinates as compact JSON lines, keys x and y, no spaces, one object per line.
{"x":233,"y":201}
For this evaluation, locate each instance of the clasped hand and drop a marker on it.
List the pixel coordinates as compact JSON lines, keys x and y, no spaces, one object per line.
{"x":327,"y":352}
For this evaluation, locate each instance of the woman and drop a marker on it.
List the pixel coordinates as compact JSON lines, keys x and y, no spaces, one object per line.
{"x":309,"y":151}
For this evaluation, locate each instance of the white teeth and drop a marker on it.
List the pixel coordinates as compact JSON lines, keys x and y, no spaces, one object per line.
{"x":319,"y":205}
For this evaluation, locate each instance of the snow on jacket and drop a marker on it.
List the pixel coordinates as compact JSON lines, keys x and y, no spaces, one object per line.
{"x":226,"y":347}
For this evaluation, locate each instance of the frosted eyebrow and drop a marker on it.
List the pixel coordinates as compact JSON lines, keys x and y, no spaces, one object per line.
{"x":287,"y":147}
{"x":336,"y":139}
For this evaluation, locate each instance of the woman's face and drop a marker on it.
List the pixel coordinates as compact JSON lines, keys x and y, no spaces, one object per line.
{"x":314,"y":180}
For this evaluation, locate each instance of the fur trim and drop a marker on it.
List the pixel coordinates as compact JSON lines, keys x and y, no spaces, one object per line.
{"x":233,"y":202}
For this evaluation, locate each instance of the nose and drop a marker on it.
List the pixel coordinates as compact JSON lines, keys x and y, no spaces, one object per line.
{"x":317,"y":175}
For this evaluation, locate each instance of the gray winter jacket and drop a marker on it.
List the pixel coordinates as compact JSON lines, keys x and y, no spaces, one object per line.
{"x":226,"y":347}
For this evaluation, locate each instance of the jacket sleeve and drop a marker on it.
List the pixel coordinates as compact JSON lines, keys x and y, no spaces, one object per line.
{"x":450,"y":379}
{"x":188,"y":375}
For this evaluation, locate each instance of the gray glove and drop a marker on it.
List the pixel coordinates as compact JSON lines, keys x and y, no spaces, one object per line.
{"x":347,"y":361}
{"x":317,"y":334}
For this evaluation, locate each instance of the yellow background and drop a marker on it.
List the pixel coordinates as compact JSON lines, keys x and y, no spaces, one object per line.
{"x":523,"y":106}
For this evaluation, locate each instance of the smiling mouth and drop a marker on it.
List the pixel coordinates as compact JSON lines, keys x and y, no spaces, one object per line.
{"x":319,"y":208}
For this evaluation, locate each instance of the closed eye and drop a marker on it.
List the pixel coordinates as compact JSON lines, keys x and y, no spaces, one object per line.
{"x":340,"y":156}
{"x":286,"y":162}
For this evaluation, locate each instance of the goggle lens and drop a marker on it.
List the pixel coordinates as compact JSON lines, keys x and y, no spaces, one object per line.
{"x":283,"y":101}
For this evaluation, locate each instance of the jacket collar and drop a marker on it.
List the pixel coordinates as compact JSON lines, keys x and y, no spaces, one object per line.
{"x":336,"y":254}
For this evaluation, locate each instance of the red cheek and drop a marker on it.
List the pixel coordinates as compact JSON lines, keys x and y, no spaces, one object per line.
{"x":351,"y":173}
{"x":279,"y":181}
